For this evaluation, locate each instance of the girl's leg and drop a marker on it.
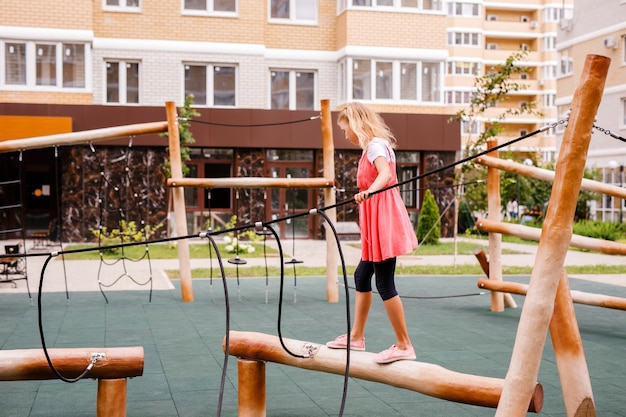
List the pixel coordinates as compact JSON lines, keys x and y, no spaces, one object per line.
{"x":362,"y":303}
{"x":395,"y":312}
{"x":363,"y":299}
{"x":385,"y":283}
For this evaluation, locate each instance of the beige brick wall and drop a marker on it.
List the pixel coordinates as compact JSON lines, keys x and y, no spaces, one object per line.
{"x":397,"y":30}
{"x":45,"y":97}
{"x":74,"y":14}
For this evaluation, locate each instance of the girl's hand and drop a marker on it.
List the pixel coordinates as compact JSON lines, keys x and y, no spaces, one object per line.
{"x":361,"y":197}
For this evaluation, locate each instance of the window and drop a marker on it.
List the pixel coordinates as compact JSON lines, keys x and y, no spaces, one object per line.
{"x":210,"y":6}
{"x":396,"y":4}
{"x":394,"y":80}
{"x":384,"y":80}
{"x":624,"y":49}
{"x":294,"y":10}
{"x":491,"y":46}
{"x":122,"y":5}
{"x":549,"y":72}
{"x":361,"y":79}
{"x":465,"y":9}
{"x":566,"y":65}
{"x":211,"y":85}
{"x":458,"y":97}
{"x":463,"y":38}
{"x":549,"y":100}
{"x":463,"y":68}
{"x":430,"y":81}
{"x":623,"y":112}
{"x":122,"y":82}
{"x":549,"y":43}
{"x":292,"y":90}
{"x":408,"y":81}
{"x":44,"y":64}
{"x":15,"y":63}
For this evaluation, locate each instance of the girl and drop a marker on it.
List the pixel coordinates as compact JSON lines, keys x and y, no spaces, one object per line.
{"x":386,"y":230}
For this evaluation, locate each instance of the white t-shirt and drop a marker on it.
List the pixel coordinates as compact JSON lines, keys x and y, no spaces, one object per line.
{"x":379,"y":147}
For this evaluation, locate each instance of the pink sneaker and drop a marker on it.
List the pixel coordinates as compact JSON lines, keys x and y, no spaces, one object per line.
{"x":394,"y":354}
{"x":341,"y":342}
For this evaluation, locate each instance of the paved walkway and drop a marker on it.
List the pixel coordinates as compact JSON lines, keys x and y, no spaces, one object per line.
{"x":83,"y":275}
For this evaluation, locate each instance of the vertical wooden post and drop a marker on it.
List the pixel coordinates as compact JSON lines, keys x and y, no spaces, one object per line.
{"x":328,"y":154}
{"x":495,"y":239}
{"x":569,"y":354}
{"x":111,"y":401}
{"x":251,"y":397}
{"x":178,"y":195}
{"x":554,"y":242}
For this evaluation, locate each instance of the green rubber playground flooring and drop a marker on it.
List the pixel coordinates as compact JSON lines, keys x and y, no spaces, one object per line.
{"x":184,"y":359}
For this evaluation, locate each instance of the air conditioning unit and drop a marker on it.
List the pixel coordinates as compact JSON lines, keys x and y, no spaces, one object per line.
{"x":492,"y":46}
{"x":541,"y":83}
{"x":492,"y":17}
{"x":610,"y":42}
{"x":565,"y":24}
{"x":533,"y":24}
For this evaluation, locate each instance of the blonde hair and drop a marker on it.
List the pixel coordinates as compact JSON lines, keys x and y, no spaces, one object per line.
{"x":365,"y":123}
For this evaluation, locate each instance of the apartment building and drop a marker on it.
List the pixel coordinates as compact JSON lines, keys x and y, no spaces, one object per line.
{"x":599,"y":31}
{"x":89,"y":64}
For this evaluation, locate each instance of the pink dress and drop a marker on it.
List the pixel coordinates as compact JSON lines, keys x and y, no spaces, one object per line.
{"x":386,"y":231}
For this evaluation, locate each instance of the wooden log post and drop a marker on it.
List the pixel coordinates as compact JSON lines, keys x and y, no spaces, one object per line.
{"x":424,"y":378}
{"x":251,"y":389}
{"x":555,"y":237}
{"x":116,"y":365}
{"x":178,"y":195}
{"x":570,"y":355}
{"x":495,"y":239}
{"x":111,"y":398}
{"x":484,"y":265}
{"x":328,"y":155}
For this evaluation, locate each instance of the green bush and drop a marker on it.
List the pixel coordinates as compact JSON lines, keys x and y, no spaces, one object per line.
{"x":599,"y":230}
{"x":429,"y":226}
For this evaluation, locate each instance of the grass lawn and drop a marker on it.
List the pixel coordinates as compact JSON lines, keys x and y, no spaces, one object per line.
{"x":159,"y":251}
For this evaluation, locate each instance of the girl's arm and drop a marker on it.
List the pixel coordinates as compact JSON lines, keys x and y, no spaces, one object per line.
{"x":381,"y":181}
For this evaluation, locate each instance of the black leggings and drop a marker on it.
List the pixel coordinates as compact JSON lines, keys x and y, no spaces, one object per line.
{"x":384,"y":271}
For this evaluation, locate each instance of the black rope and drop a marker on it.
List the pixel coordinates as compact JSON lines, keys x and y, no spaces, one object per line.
{"x":43,"y":339}
{"x":348,"y":324}
{"x":255,"y":124}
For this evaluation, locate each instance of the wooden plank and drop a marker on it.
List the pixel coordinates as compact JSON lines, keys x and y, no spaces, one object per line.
{"x":251,"y":182}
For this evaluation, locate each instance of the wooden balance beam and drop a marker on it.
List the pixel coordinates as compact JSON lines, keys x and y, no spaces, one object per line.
{"x":254,"y":349}
{"x":578,"y":297}
{"x":111,"y":371}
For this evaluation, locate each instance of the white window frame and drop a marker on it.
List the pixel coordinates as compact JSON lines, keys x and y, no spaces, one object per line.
{"x":209,"y":11}
{"x":122,"y":90}
{"x":292,"y":19}
{"x":210,"y":82}
{"x":565,"y":58}
{"x":31,"y":67}
{"x":396,"y":81}
{"x":623,"y":118}
{"x":464,"y":9}
{"x":463,"y":68}
{"x":397,"y":6}
{"x":293,"y":92}
{"x":122,"y":7}
{"x":469,"y":39}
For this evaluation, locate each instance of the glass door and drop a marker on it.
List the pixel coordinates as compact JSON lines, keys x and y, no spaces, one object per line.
{"x":289,"y":201}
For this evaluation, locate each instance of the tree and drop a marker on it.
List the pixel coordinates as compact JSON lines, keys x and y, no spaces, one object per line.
{"x":491,"y":88}
{"x":429,"y":225}
{"x":185,"y":115}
